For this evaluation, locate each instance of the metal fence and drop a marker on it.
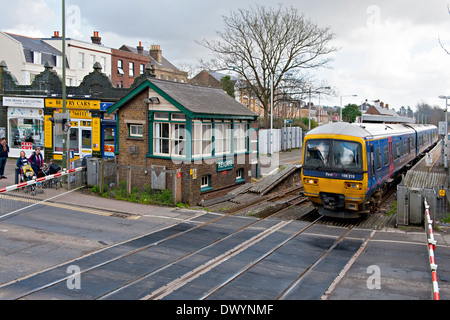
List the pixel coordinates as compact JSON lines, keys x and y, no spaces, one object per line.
{"x":19,"y":197}
{"x":147,"y":185}
{"x":282,"y":139}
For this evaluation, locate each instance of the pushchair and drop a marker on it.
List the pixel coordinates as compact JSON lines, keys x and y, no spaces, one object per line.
{"x":51,"y":169}
{"x":28,"y":175}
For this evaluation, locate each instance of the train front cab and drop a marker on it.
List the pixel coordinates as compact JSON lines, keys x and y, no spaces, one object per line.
{"x":334,"y":174}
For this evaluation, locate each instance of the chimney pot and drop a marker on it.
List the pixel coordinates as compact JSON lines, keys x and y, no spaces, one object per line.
{"x":140,"y":48}
{"x":96,"y":39}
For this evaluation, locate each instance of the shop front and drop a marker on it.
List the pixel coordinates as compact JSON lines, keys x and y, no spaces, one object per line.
{"x":25,"y":124}
{"x":84,"y":137}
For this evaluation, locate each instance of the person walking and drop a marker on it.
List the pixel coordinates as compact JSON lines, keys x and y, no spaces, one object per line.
{"x":4,"y":150}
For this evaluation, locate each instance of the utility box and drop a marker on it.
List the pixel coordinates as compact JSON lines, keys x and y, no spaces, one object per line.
{"x":416,"y":206}
{"x":92,"y":171}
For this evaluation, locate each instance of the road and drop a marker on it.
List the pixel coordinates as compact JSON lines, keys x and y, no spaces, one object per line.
{"x":165,"y":253}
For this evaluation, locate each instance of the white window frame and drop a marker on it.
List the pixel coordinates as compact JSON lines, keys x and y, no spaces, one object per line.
{"x":201,"y":139}
{"x":240,"y":138}
{"x":131,"y":69}
{"x":120,"y":67}
{"x":239,"y":174}
{"x":138,"y":130}
{"x":81,"y":60}
{"x":206,"y":182}
{"x":222,"y":138}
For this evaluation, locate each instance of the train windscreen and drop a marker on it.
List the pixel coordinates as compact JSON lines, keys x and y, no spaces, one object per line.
{"x":334,"y":155}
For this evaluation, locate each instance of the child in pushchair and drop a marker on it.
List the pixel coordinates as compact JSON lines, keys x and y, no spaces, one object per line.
{"x":28,"y":175}
{"x":51,"y":169}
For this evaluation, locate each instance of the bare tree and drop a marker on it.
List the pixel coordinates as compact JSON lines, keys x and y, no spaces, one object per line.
{"x":262,"y":43}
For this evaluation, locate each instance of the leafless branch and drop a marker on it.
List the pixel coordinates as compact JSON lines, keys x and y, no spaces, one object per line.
{"x":260,"y":43}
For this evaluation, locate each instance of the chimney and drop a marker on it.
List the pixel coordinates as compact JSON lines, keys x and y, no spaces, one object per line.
{"x":96,"y":39}
{"x":140,"y":48}
{"x":56,"y":35}
{"x":156,"y":53}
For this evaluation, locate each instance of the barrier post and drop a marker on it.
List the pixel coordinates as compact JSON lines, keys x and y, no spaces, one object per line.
{"x":431,"y":248}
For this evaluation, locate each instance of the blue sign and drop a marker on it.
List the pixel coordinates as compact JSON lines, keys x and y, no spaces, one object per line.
{"x":105,"y":105}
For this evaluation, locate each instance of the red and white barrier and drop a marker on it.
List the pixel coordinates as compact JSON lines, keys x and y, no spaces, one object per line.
{"x":32,"y":182}
{"x":431,"y":249}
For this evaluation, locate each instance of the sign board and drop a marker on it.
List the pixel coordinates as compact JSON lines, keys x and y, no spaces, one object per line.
{"x":105,"y":105}
{"x":73,"y":104}
{"x":442,"y":193}
{"x":442,"y":128}
{"x":223,"y":165}
{"x":428,"y":160}
{"x":23,"y":102}
{"x":27,"y":146}
{"x":288,"y":121}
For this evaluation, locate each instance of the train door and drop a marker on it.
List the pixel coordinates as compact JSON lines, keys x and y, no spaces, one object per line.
{"x":391,"y":157}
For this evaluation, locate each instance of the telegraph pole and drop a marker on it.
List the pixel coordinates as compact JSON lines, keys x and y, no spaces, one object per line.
{"x":65,"y":158}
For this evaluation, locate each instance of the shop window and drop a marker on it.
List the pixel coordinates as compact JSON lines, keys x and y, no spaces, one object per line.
{"x":73,"y":141}
{"x":26,"y":130}
{"x":86,"y":139}
{"x":136,"y":130}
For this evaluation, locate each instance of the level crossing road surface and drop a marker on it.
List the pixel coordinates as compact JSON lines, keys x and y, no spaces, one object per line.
{"x":131,"y":251}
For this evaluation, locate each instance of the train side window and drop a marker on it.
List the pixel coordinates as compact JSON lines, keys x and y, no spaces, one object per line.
{"x":386,"y":155}
{"x":378,"y":158}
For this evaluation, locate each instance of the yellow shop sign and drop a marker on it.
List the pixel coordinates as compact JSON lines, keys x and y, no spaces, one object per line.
{"x":73,"y":104}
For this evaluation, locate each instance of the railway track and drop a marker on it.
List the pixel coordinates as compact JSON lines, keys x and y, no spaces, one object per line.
{"x":250,"y":233}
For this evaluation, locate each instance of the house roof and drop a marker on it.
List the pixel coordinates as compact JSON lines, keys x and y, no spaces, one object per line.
{"x":165,"y":63}
{"x":195,"y":101}
{"x":31,"y":45}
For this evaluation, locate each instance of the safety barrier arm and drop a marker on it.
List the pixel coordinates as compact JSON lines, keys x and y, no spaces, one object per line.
{"x":35,"y":181}
{"x":431,"y":249}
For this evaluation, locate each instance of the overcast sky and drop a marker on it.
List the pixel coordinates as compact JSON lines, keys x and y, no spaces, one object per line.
{"x":389,"y":50}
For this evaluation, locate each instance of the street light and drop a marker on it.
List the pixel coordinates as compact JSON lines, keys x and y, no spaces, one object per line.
{"x":446,"y":132}
{"x":340,"y":116}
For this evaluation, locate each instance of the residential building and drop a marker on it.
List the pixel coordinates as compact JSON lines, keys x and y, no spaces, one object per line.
{"x":26,"y":56}
{"x":128,"y":63}
{"x":82,"y":56}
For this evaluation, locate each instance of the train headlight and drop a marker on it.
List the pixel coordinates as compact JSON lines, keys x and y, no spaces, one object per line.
{"x":353,"y":185}
{"x":312,"y":182}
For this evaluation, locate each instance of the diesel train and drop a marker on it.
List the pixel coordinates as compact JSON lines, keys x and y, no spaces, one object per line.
{"x":348,"y":167}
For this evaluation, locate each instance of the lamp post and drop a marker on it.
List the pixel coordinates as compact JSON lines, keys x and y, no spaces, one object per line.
{"x":340,"y":116}
{"x":446,"y":131}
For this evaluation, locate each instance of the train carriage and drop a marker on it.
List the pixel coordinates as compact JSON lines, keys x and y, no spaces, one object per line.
{"x":347,"y":167}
